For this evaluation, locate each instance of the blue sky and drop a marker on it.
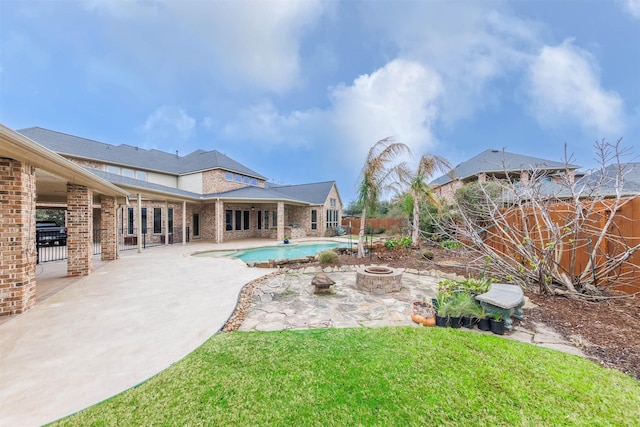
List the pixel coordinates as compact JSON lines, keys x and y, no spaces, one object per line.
{"x":299,"y":91}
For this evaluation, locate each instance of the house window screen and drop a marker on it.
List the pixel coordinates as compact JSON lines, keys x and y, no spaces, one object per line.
{"x":157,"y":220}
{"x":238,"y":220}
{"x":245,"y":225}
{"x":228,"y":215}
{"x":144,"y":221}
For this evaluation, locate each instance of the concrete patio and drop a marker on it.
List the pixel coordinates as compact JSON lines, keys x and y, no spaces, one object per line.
{"x":96,"y":336}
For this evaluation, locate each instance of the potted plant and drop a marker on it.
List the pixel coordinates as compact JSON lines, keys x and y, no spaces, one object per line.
{"x":497,"y":323}
{"x":442,"y":308}
{"x":456,"y":307}
{"x":471,"y":312}
{"x":286,"y":240}
{"x":483,"y":323}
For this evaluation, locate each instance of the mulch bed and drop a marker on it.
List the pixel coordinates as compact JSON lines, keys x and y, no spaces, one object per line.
{"x":607,"y":331}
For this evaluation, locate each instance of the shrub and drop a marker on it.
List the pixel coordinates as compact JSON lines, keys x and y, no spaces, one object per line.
{"x":406,"y":241}
{"x":428,"y":254}
{"x":391,"y":244}
{"x":449,"y":244}
{"x":328,"y":257}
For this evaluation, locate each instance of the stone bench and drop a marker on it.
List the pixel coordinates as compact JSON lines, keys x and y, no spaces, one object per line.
{"x":503,"y":299}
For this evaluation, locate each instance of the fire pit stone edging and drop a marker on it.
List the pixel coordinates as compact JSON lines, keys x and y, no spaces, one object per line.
{"x":379,"y":279}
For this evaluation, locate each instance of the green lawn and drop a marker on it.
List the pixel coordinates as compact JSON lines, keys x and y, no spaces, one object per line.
{"x":373,"y":376}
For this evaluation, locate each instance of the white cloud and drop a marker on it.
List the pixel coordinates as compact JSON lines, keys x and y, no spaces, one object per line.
{"x":168,"y":122}
{"x":249,"y":43}
{"x":470,"y":44}
{"x":633,"y":7}
{"x":270,"y":128}
{"x":399,"y":100}
{"x":564,"y":86}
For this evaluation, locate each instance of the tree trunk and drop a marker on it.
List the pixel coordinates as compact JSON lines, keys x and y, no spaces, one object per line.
{"x":361,"y":233}
{"x":415,"y":233}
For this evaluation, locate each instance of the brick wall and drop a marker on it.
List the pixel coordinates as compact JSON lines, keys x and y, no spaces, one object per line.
{"x":79,"y":230}
{"x":17,"y":237}
{"x":214,"y":181}
{"x":108,"y":228}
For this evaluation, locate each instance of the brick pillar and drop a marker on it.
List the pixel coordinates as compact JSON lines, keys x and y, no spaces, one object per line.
{"x":220,"y":221}
{"x":108,"y":228}
{"x":280,"y":225}
{"x":17,"y":237}
{"x":79,"y":230}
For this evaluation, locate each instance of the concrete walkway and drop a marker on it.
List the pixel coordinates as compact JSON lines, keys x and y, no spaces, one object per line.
{"x":109,"y":331}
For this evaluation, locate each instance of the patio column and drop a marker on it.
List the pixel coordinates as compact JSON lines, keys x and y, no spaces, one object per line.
{"x":184,"y":222}
{"x":166,"y":222}
{"x":17,"y":237}
{"x":139,"y":217}
{"x":220,"y":221}
{"x":79,"y":230}
{"x":108,"y":229}
{"x":280,"y":233}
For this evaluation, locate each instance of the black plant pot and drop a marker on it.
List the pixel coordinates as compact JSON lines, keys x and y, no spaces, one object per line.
{"x":455,"y":321}
{"x":468,"y":322}
{"x":483,"y":324}
{"x":441,"y":320}
{"x":434,"y":303}
{"x":497,"y":326}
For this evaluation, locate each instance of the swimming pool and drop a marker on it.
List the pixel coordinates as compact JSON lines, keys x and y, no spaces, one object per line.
{"x":284,"y":251}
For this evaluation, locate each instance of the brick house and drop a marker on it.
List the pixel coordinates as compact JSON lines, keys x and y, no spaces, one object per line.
{"x":131,"y":195}
{"x":29,"y":173}
{"x":496,"y":164}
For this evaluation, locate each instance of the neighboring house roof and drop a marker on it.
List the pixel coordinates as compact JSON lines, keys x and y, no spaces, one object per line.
{"x":598,"y":183}
{"x":135,"y":157}
{"x":605,"y":182}
{"x":497,"y":161}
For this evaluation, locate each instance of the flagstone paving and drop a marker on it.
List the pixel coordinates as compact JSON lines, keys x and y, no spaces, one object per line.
{"x":289,"y":301}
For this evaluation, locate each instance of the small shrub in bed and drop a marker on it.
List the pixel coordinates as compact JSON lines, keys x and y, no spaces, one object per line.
{"x":427,"y":253}
{"x":328,"y":257}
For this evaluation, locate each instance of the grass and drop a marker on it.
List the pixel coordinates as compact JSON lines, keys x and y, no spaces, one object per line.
{"x":373,"y":376}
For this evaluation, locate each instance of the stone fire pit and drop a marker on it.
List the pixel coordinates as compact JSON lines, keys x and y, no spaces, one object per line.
{"x":378,"y":279}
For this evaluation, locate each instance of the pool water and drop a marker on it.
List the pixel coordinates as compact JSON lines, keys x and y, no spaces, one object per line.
{"x":284,"y":251}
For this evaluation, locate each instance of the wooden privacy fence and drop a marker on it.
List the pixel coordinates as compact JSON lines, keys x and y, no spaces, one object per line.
{"x":579,"y":250}
{"x":389,"y":224}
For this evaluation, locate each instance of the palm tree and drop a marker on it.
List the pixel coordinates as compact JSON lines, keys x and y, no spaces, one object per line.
{"x":378,"y":176}
{"x":419,"y":189}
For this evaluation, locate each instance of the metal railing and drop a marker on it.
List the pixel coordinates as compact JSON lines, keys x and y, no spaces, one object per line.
{"x":50,"y":247}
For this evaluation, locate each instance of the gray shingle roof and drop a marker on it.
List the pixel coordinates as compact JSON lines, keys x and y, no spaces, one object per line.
{"x":498,"y":161}
{"x":314,"y":193}
{"x":135,"y":157}
{"x":605,"y":182}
